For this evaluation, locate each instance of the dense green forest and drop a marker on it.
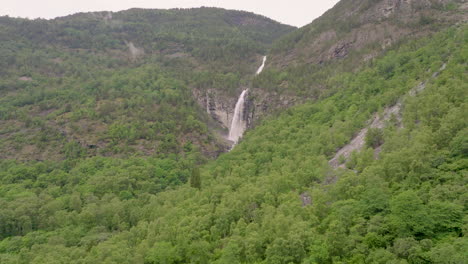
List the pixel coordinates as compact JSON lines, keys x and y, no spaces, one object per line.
{"x":141,"y":110}
{"x":274,"y":198}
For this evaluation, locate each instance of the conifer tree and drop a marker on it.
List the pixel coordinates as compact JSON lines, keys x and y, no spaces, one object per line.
{"x":195,"y":180}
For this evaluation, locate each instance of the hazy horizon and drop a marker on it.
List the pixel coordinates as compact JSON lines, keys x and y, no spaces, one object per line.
{"x":295,"y":12}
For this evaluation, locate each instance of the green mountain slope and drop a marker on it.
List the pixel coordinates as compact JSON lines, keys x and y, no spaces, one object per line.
{"x":120,"y":84}
{"x":207,"y":34}
{"x":349,"y":36}
{"x":275,"y":198}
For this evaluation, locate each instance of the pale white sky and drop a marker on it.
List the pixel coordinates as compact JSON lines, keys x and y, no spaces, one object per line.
{"x":292,"y":12}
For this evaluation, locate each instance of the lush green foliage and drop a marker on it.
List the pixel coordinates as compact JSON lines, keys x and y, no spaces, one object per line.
{"x":407,"y":206}
{"x":71,"y":87}
{"x":95,"y":192}
{"x":141,"y":110}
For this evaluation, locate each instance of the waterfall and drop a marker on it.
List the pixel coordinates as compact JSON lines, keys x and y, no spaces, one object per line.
{"x":238,"y":124}
{"x":261,"y":66}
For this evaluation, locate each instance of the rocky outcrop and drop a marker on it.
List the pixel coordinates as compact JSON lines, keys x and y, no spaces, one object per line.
{"x":366,"y":28}
{"x":306,"y":199}
{"x":340,"y":50}
{"x":378,"y":121}
{"x":134,"y":51}
{"x":25,"y":78}
{"x":358,"y":142}
{"x":220,"y":106}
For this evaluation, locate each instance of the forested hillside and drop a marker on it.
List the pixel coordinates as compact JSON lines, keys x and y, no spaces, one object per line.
{"x":349,"y":36}
{"x":121,"y":84}
{"x":274,"y":198}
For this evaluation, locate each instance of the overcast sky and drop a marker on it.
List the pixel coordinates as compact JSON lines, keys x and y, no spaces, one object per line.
{"x":292,"y":12}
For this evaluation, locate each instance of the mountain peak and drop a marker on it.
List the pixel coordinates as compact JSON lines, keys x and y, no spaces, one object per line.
{"x":358,"y":25}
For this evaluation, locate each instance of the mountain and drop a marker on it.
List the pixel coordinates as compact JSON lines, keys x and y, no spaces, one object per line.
{"x":275,"y":198}
{"x":364,"y":28}
{"x":109,"y":157}
{"x":122,"y":83}
{"x":347,"y":37}
{"x":207,"y":34}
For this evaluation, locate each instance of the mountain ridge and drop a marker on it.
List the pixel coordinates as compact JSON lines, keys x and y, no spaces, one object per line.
{"x":342,"y":25}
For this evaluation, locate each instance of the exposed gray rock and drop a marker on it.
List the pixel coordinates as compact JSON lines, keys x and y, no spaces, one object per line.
{"x":306,"y":199}
{"x":220,"y":106}
{"x":378,"y":121}
{"x":134,"y":51}
{"x":25,"y":79}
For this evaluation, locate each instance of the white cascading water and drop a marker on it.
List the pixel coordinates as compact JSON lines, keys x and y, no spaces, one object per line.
{"x":238,"y":124}
{"x":262,"y":66}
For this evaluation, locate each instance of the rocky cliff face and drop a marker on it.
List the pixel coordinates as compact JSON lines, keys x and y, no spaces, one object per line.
{"x":220,"y":107}
{"x":365,"y":27}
